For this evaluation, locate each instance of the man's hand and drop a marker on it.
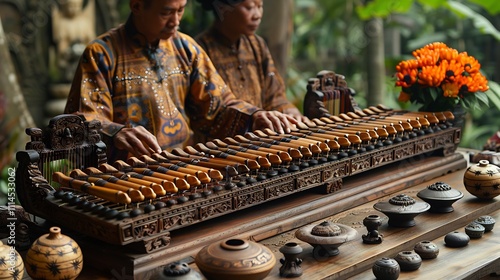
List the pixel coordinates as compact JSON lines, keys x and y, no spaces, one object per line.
{"x":274,"y":120}
{"x":137,"y":141}
{"x":295,"y":113}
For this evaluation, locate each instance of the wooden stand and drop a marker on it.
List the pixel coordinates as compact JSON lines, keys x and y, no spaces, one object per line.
{"x":272,"y":219}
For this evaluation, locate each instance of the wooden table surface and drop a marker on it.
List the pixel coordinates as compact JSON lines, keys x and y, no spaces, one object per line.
{"x":356,"y":258}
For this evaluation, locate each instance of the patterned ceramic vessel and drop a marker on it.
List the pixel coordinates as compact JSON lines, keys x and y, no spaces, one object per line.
{"x":326,"y":237}
{"x":176,"y":271}
{"x":483,"y":180}
{"x":426,"y":249}
{"x":401,"y":210}
{"x":235,"y":259}
{"x":290,"y":265}
{"x":474,"y":230}
{"x":408,"y":260}
{"x":487,"y":222}
{"x":386,"y":269}
{"x":440,"y":196}
{"x":54,"y":256}
{"x":11,"y":263}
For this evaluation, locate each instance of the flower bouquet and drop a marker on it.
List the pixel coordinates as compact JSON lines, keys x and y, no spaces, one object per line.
{"x":440,"y":78}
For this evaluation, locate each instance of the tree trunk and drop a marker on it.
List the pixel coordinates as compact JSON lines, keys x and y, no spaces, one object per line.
{"x":374,"y":57}
{"x":14,"y":114}
{"x":276,"y":28}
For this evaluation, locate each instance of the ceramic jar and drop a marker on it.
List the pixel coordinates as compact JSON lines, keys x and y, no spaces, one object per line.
{"x":290,"y":265}
{"x":408,"y":260}
{"x":11,"y":264}
{"x":235,"y":259}
{"x":372,"y":223}
{"x":386,"y":269}
{"x":456,"y":239}
{"x":54,"y":256}
{"x":177,"y":271}
{"x":474,"y":230}
{"x":326,"y":238}
{"x":426,"y":249}
{"x":487,"y":222}
{"x":440,"y":196}
{"x":483,"y":180}
{"x":401,"y":210}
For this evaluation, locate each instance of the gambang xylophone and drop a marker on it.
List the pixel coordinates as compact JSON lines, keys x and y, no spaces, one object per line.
{"x":63,"y":175}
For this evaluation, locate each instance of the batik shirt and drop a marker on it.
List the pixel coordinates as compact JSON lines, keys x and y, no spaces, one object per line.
{"x":248,"y":69}
{"x":172,"y":89}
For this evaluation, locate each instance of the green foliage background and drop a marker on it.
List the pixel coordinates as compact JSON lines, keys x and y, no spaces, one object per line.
{"x":332,"y":34}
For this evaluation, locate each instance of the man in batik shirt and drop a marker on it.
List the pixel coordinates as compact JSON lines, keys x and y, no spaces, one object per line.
{"x":242,"y":57}
{"x":152,"y":87}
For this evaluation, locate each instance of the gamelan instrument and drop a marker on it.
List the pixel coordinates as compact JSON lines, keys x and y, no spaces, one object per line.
{"x":63,"y":175}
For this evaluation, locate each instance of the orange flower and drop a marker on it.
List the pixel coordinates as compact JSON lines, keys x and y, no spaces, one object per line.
{"x":437,"y":68}
{"x":450,"y":90}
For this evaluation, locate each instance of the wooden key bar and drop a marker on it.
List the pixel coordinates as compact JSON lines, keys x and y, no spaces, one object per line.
{"x":135,"y":195}
{"x":114,"y":196}
{"x":157,"y":188}
{"x":168,"y":186}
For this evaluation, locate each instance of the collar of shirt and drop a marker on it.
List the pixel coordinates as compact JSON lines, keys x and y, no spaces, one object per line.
{"x":137,"y":37}
{"x":223,"y":40}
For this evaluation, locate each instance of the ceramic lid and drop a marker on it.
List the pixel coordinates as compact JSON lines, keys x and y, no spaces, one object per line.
{"x":402,"y":204}
{"x":315,"y":234}
{"x":440,"y":191}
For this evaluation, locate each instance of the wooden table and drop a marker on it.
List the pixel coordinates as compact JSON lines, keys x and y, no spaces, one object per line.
{"x":275,"y":225}
{"x":478,"y":259}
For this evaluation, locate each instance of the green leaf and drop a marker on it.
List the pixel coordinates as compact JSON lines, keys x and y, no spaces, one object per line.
{"x":479,"y":21}
{"x":433,"y":3}
{"x":494,"y":94}
{"x":434,"y":93}
{"x":383,"y":8}
{"x":491,"y":6}
{"x":481,"y":96}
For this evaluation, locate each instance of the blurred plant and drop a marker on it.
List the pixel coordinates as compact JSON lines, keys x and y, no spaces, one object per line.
{"x":439,"y":77}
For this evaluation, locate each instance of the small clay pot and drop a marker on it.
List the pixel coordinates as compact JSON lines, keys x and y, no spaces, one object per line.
{"x":426,"y":249}
{"x":177,"y":271}
{"x":11,"y":264}
{"x":291,"y":263}
{"x":372,"y":223}
{"x":386,"y":269}
{"x":401,"y":210}
{"x":487,"y":222}
{"x":440,"y":196}
{"x":235,"y":259}
{"x":326,"y":237}
{"x":408,"y":260}
{"x":482,"y":180}
{"x":456,"y":239}
{"x":474,"y":230}
{"x":54,"y":256}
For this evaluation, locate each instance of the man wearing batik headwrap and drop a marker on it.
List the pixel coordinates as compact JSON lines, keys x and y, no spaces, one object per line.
{"x":243,"y":58}
{"x":152,"y":87}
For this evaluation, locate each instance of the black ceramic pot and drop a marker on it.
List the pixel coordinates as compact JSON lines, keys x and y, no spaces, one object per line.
{"x":401,"y":210}
{"x":440,"y":196}
{"x":386,"y":269}
{"x":487,"y":222}
{"x":408,"y":260}
{"x":426,"y":249}
{"x":474,"y":230}
{"x":456,"y":239}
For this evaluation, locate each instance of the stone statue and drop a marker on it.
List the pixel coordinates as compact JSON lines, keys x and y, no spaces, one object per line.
{"x":73,"y":27}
